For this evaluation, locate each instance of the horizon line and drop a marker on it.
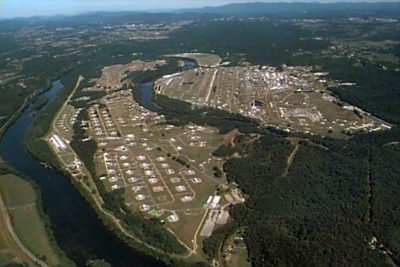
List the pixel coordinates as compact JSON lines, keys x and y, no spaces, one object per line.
{"x":188,"y":9}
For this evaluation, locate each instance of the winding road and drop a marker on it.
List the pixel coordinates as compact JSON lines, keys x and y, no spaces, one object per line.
{"x":8,"y":234}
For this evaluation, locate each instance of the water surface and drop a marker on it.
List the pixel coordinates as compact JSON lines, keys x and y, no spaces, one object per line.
{"x":78,"y":231}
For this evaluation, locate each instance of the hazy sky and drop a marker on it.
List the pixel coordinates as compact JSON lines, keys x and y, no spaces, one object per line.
{"x":23,"y":8}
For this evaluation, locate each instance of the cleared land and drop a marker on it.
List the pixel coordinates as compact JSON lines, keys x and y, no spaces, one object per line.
{"x":234,"y":252}
{"x":202,"y":59}
{"x":20,"y":200}
{"x":167,"y":172}
{"x":112,"y":75}
{"x":294,"y":98}
{"x":8,"y":253}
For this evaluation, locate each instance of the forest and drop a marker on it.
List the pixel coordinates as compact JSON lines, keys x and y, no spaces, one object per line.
{"x":321,"y":210}
{"x":335,"y":197}
{"x":271,"y":42}
{"x":376,"y":90}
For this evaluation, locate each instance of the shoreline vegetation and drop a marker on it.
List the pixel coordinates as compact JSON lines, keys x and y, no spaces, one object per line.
{"x":179,"y":112}
{"x":39,"y":103}
{"x":39,"y":148}
{"x":30,"y":99}
{"x":326,"y":205}
{"x":38,"y":237}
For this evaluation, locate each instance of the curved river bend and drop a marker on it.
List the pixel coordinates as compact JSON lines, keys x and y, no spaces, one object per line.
{"x":146,"y":89}
{"x":78,"y":231}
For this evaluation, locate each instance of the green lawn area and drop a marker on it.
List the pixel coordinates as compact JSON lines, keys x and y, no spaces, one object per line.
{"x":20,"y":198}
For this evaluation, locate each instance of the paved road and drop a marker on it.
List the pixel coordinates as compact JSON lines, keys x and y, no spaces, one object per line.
{"x":9,"y":236}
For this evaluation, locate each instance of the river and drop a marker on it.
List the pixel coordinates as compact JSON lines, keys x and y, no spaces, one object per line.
{"x":146,"y":89}
{"x":78,"y":231}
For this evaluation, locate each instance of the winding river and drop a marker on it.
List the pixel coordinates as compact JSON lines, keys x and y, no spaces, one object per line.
{"x":78,"y":231}
{"x":146,"y":89}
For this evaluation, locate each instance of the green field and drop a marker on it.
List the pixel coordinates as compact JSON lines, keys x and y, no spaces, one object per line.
{"x":235,"y":252}
{"x":238,"y":258}
{"x":7,"y":256}
{"x":20,"y":199}
{"x":202,"y":59}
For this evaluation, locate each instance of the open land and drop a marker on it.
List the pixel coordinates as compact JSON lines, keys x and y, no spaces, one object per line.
{"x":234,"y":251}
{"x":112,"y":75}
{"x":20,"y":200}
{"x":167,"y":172}
{"x":9,"y":251}
{"x":202,"y":59}
{"x":294,"y":98}
{"x":291,"y":98}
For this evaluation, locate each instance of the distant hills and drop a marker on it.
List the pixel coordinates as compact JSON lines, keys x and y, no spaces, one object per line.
{"x":278,"y":9}
{"x":285,"y":9}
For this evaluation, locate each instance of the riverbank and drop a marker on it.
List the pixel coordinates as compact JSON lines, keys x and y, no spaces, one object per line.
{"x":88,"y":190}
{"x":34,"y":245}
{"x":74,"y":217}
{"x":77,"y":229}
{"x":85,"y":184}
{"x":27,"y":228}
{"x":27,"y":101}
{"x":12,"y":119}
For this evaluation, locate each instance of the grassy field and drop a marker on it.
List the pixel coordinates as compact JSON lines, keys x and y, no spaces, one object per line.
{"x":238,"y":258}
{"x":20,"y":199}
{"x":202,"y":59}
{"x":7,"y":256}
{"x":235,"y":252}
